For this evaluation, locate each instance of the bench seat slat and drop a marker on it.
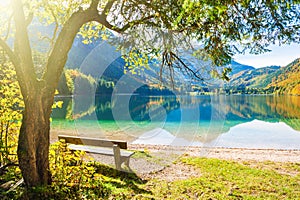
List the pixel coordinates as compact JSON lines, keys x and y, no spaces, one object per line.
{"x":116,"y":148}
{"x":99,"y":150}
{"x":92,"y":141}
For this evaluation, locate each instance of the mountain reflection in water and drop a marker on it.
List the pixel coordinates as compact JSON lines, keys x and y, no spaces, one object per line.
{"x":227,"y":121}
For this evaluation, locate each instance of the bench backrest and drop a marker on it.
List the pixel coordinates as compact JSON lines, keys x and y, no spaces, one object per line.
{"x":92,"y":141}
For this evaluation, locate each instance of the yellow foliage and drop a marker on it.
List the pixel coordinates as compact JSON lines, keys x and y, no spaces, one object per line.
{"x":11,"y":106}
{"x":288,"y":82}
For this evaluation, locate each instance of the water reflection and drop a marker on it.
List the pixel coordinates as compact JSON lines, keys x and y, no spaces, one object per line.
{"x":205,"y":120}
{"x":259,"y":134}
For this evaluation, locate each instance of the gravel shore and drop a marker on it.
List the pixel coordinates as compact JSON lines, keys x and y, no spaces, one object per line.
{"x":176,"y":170}
{"x":156,"y":161}
{"x":276,"y":155}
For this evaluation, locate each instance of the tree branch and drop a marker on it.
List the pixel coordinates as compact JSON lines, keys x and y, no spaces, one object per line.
{"x":63,"y":44}
{"x":186,"y":67}
{"x":55,"y":29}
{"x":245,"y":17}
{"x":107,"y":8}
{"x":102,"y":18}
{"x":25,"y":70}
{"x":29,"y":19}
{"x":133,"y":23}
{"x":13,"y":58}
{"x":3,"y":168}
{"x":8,"y":27}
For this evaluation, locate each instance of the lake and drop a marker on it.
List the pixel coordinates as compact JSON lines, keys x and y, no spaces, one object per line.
{"x":235,"y":121}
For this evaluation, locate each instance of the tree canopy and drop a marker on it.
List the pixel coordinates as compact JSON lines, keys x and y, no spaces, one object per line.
{"x":214,"y":30}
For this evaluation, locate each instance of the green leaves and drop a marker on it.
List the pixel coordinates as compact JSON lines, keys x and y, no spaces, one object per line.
{"x":92,"y":31}
{"x":11,"y":106}
{"x":135,"y":61}
{"x":73,"y":176}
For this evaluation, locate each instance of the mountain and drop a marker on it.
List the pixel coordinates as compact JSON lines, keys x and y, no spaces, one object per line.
{"x":252,"y":77}
{"x":237,"y":67}
{"x":287,"y":79}
{"x":100,"y":59}
{"x":270,"y":80}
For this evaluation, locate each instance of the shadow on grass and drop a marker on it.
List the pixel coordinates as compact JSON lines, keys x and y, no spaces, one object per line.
{"x":112,"y":184}
{"x":121,"y":179}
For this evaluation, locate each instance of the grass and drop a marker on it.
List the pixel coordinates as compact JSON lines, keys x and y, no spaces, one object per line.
{"x":221,"y":179}
{"x":75,"y":178}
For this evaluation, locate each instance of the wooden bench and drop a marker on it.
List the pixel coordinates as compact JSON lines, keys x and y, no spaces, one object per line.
{"x":114,"y":148}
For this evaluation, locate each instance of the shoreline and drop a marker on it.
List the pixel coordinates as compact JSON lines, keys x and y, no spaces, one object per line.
{"x":227,"y":153}
{"x":239,"y":154}
{"x":155,"y":161}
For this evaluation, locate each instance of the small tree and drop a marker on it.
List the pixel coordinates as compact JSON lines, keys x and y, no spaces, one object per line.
{"x":156,"y":28}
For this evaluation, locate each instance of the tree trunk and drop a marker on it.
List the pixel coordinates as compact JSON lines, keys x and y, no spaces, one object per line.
{"x":38,"y":93}
{"x":33,"y":147}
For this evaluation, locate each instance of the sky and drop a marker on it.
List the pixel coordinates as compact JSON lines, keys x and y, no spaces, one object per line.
{"x":280,"y":55}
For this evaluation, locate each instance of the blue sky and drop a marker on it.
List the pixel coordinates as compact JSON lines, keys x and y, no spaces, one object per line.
{"x":280,"y":55}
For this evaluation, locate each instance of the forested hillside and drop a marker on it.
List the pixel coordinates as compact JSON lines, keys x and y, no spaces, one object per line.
{"x":243,"y":78}
{"x":287,"y":80}
{"x":253,"y":78}
{"x":267,"y":80}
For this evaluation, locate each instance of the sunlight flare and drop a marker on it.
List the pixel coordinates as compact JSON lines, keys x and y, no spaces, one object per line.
{"x":4,"y":3}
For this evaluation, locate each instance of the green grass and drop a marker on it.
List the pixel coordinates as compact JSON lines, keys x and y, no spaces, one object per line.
{"x":222,"y":179}
{"x":75,"y":178}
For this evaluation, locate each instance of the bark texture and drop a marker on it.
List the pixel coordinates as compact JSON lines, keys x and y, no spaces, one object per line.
{"x":33,"y":147}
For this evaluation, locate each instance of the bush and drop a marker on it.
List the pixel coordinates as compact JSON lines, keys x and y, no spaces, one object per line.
{"x":11,"y":106}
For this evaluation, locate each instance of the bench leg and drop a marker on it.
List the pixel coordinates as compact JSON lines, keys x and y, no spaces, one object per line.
{"x":126,"y":162}
{"x":117,"y":156}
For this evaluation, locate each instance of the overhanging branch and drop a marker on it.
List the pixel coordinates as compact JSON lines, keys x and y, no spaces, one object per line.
{"x":102,"y":18}
{"x":133,"y":23}
{"x":194,"y":73}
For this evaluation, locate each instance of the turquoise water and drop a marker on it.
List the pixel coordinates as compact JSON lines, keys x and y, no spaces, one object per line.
{"x":223,"y":121}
